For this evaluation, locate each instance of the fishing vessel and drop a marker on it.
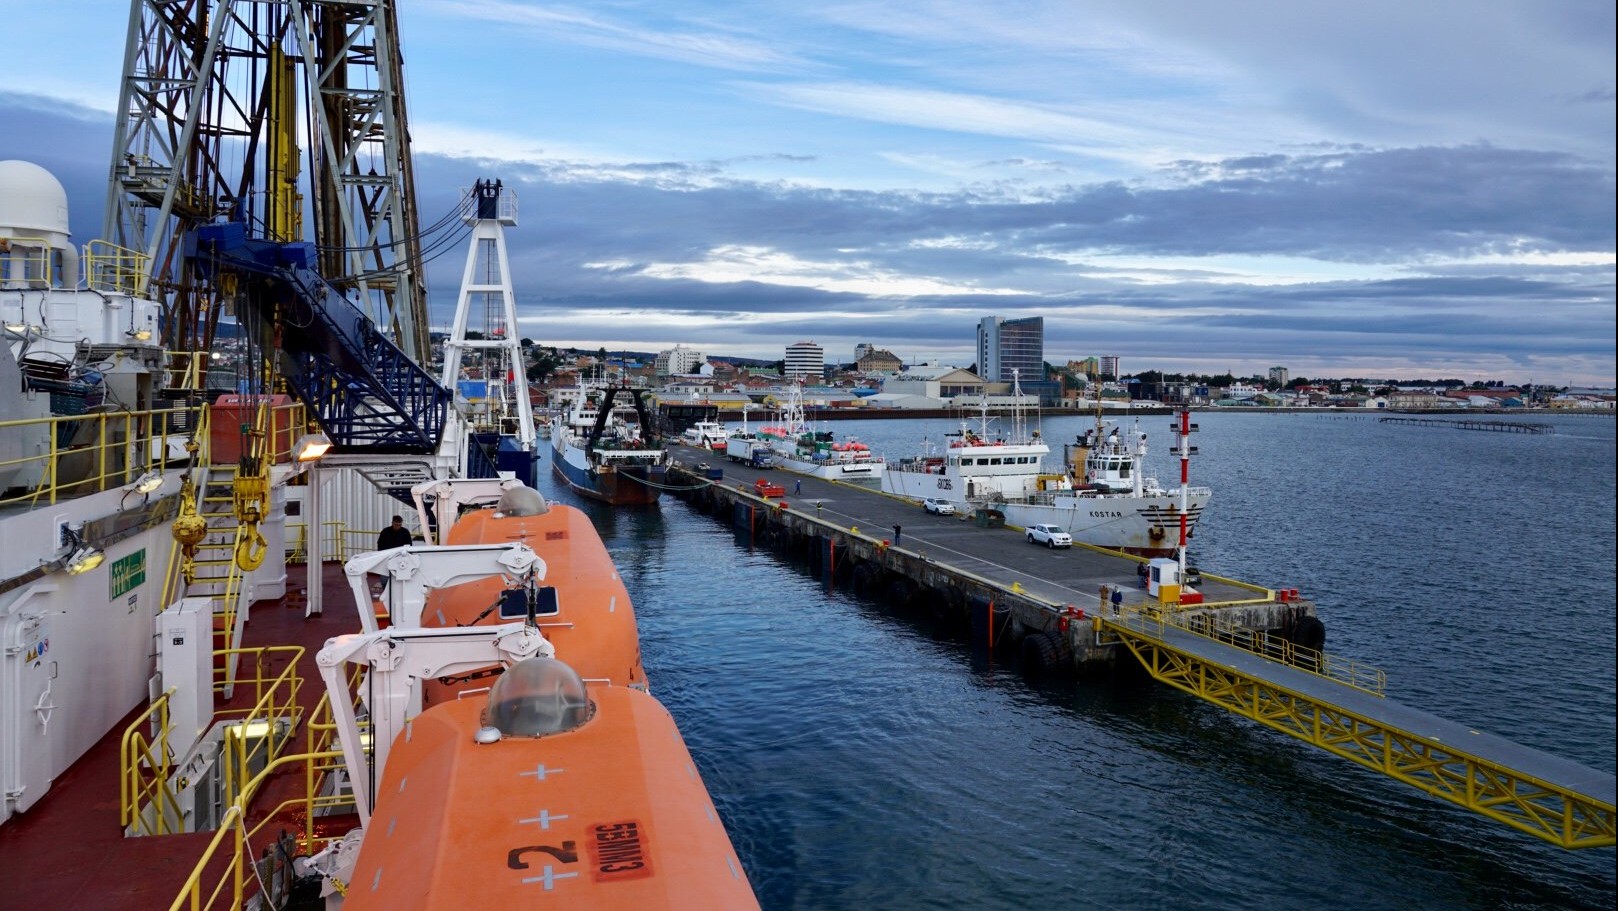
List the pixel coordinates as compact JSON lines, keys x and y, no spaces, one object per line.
{"x":605,"y":454}
{"x":706,"y":435}
{"x":1102,"y":496}
{"x":818,"y":453}
{"x":1108,"y":500}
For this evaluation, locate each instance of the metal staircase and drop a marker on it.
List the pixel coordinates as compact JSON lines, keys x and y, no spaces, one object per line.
{"x":368,"y":395}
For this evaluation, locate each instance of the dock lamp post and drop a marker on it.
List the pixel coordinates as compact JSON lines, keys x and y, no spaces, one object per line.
{"x":307,"y":452}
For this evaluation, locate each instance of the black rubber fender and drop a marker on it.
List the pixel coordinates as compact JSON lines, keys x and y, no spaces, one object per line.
{"x":1046,"y":654}
{"x":1308,"y":632}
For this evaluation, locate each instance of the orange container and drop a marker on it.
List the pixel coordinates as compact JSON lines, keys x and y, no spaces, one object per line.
{"x":225,"y":438}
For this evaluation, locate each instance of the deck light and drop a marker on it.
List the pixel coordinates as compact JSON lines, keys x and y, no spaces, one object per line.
{"x":310,"y":447}
{"x":147,"y":482}
{"x":83,"y":557}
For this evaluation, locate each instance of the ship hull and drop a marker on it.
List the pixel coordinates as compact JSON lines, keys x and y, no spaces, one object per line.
{"x":618,"y":485}
{"x":833,"y":471}
{"x":1147,"y":525}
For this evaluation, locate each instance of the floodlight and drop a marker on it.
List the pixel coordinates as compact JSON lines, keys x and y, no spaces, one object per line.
{"x":310,"y":447}
{"x":83,"y":557}
{"x":147,"y":482}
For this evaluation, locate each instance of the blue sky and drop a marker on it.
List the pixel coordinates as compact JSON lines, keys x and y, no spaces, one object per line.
{"x":1347,"y":189}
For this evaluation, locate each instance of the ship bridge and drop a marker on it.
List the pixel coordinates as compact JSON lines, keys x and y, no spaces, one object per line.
{"x":1339,"y":707}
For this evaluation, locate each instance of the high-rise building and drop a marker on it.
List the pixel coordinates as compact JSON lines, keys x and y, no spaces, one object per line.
{"x":862,"y":349}
{"x":1086,"y":367}
{"x":1279,"y":376}
{"x":1008,"y":347}
{"x":678,"y":360}
{"x":805,"y":360}
{"x":1110,"y":368}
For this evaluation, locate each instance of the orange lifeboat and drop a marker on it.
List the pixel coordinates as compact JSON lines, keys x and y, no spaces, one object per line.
{"x":536,"y":790}
{"x":593,"y":624}
{"x":607,"y":814}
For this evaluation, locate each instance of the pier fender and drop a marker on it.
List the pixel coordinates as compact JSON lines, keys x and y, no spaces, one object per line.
{"x":901,"y":592}
{"x":1308,"y":632}
{"x":867,"y":578}
{"x":1046,"y":654}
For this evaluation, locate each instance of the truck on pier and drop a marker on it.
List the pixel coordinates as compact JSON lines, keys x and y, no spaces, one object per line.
{"x":756,"y":452}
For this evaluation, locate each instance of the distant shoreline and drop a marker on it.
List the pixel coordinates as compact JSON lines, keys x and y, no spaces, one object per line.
{"x":868,"y":414}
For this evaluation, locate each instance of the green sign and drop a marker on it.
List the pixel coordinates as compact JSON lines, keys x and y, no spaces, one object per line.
{"x":128,"y":572}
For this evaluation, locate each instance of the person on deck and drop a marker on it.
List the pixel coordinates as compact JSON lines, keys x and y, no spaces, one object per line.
{"x":395,"y":535}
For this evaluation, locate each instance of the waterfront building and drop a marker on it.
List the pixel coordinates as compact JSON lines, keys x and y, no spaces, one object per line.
{"x":678,"y":361}
{"x":877,"y":360}
{"x":1109,"y":366}
{"x":805,"y":360}
{"x":1011,"y":347}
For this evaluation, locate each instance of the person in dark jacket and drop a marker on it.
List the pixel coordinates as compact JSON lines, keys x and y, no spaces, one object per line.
{"x":395,"y":535}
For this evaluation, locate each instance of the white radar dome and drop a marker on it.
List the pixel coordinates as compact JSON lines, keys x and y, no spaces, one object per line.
{"x":32,"y":201}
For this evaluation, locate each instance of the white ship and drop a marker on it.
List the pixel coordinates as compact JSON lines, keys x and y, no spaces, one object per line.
{"x":1104,"y":498}
{"x":818,"y":453}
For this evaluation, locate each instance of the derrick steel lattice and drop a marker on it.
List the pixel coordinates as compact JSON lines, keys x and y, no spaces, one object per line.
{"x":214,"y":98}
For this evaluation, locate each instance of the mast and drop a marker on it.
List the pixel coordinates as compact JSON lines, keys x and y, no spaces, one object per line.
{"x":1183,"y":429}
{"x":488,"y":207}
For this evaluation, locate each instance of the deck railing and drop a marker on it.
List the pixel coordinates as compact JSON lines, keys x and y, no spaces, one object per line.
{"x":67,"y":456}
{"x":149,"y":803}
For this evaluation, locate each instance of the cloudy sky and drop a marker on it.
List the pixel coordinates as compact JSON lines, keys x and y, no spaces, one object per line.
{"x":1374,"y":188}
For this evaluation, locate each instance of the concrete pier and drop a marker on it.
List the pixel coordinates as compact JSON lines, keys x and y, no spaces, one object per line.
{"x":1012,"y":594}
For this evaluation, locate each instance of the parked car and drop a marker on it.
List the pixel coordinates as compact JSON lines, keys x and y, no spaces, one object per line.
{"x":938,"y":506}
{"x":1049,"y":535}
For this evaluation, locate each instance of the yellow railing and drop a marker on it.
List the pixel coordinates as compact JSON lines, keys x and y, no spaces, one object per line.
{"x":236,"y":881}
{"x":114,"y":269}
{"x":144,"y":772}
{"x":27,"y":261}
{"x":239,"y":878}
{"x":146,"y":767}
{"x":77,"y":455}
{"x":1214,"y":626}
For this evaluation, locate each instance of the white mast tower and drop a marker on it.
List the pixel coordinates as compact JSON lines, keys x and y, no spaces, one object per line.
{"x":489,"y":208}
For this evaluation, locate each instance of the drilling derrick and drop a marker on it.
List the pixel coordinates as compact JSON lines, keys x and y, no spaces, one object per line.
{"x":215,"y":98}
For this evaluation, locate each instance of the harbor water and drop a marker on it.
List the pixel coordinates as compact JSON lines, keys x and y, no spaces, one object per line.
{"x":863,"y":759}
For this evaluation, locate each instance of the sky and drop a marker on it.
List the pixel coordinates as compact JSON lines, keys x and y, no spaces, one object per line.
{"x":1366,"y":189}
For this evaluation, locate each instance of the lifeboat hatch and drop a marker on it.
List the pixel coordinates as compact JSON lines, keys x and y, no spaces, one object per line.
{"x":536,"y":697}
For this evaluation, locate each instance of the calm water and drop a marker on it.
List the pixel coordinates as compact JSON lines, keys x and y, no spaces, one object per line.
{"x":862,"y":759}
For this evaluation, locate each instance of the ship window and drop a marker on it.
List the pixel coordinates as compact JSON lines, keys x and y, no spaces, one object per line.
{"x":514,"y":602}
{"x":535,"y":697}
{"x":994,"y":461}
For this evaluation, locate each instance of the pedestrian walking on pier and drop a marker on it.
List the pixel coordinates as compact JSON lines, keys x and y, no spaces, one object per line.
{"x":797,"y":487}
{"x":1117,"y":601}
{"x":897,"y":530}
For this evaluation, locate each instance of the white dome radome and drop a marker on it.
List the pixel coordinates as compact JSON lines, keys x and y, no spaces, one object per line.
{"x":32,"y":201}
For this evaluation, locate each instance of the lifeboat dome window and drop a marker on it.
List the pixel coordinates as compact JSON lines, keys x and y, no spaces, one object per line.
{"x":535,"y":697}
{"x":522,"y":501}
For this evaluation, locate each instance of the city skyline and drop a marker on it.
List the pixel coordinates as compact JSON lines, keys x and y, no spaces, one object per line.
{"x":1375,"y":189}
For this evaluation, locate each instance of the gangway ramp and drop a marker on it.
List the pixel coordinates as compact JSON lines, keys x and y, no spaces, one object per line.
{"x":1552,"y":798}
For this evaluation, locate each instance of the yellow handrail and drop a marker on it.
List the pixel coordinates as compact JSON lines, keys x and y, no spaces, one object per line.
{"x":114,"y":269}
{"x":146,"y":768}
{"x":77,"y":455}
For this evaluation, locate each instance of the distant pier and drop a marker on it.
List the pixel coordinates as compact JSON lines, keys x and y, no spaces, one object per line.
{"x":1497,"y":426}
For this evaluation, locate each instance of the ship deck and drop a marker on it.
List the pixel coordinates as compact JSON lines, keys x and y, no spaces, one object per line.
{"x":69,"y":849}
